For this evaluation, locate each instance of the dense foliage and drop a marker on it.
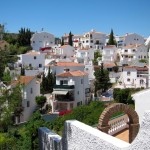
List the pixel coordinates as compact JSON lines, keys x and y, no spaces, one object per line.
{"x":47,"y":82}
{"x":102,"y":81}
{"x":87,"y":114}
{"x":124,"y":95}
{"x":26,"y":136}
{"x":10,"y":106}
{"x":40,"y":100}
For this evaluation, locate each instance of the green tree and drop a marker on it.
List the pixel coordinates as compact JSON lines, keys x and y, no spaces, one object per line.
{"x":24,"y":37}
{"x":5,"y":58}
{"x":6,"y":77}
{"x":62,"y":41}
{"x":40,"y":100}
{"x":10,"y":100}
{"x":70,"y":42}
{"x":123,"y":95}
{"x":50,"y":81}
{"x":111,"y":40}
{"x":102,"y":81}
{"x":22,"y":71}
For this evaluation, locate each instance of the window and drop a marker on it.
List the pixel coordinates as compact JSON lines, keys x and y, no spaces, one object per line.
{"x":91,"y":41}
{"x":87,"y":41}
{"x":83,"y":41}
{"x":33,"y":41}
{"x":28,"y":103}
{"x":30,"y":65}
{"x":63,"y":82}
{"x":128,"y":73}
{"x":31,"y":90}
{"x":133,"y":50}
{"x":40,"y":65}
{"x":128,"y":80}
{"x":90,"y":46}
{"x":144,"y":56}
{"x":86,"y":69}
{"x":91,"y":36}
{"x":81,"y":81}
{"x":34,"y":57}
{"x":78,"y":92}
{"x":125,"y":50}
{"x":141,"y":81}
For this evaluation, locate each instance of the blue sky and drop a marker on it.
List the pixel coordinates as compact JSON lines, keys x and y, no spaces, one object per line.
{"x":78,"y":16}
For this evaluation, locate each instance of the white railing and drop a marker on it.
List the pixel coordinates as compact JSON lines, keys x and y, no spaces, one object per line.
{"x":118,"y":124}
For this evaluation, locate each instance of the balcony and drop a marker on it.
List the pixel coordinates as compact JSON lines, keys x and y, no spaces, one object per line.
{"x":63,"y":86}
{"x":65,"y":98}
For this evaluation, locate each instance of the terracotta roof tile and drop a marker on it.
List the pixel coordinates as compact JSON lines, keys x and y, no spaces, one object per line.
{"x":72,"y":73}
{"x":68,"y":64}
{"x":109,"y":65}
{"x":23,"y":80}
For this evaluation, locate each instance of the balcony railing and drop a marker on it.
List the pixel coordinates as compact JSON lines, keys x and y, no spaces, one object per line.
{"x":118,"y":124}
{"x":63,"y":86}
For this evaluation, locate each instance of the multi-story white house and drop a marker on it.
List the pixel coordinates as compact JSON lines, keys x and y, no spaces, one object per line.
{"x":84,"y":55}
{"x":42,"y":40}
{"x":71,"y":90}
{"x":65,"y":51}
{"x":30,"y":89}
{"x":93,"y":39}
{"x":32,"y":61}
{"x":134,"y":77}
{"x":109,"y":53}
{"x":58,"y":67}
{"x":132,"y":53}
{"x":75,"y":38}
{"x":129,"y":39}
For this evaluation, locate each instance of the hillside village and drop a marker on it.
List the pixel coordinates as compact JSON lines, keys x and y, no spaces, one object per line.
{"x":72,"y":62}
{"x":40,"y":72}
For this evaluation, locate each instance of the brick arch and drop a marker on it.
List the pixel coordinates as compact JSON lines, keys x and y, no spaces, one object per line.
{"x":120,"y":107}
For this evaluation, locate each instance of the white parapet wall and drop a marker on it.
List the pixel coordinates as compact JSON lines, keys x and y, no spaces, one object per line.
{"x":79,"y":136}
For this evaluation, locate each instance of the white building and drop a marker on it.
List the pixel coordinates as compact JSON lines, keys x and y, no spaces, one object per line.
{"x":93,"y":39}
{"x":41,"y":40}
{"x":84,"y":55}
{"x":58,"y":67}
{"x":109,"y":53}
{"x":132,"y":53}
{"x":30,"y":89}
{"x":134,"y":77}
{"x":65,"y":51}
{"x":71,"y":90}
{"x":129,"y":39}
{"x":76,"y":39}
{"x":32,"y":61}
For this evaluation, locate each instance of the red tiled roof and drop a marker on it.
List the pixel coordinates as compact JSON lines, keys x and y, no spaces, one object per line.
{"x":106,"y":65}
{"x":68,"y":64}
{"x":24,"y":80}
{"x":136,"y":67}
{"x":109,"y":46}
{"x":72,"y":73}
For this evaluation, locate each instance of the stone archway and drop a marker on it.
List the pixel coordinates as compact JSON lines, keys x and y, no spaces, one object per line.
{"x":119,"y":107}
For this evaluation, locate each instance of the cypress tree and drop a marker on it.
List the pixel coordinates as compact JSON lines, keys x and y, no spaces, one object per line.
{"x":62,"y":41}
{"x":70,"y":42}
{"x":111,"y":40}
{"x":50,"y":81}
{"x":102,"y":81}
{"x":22,"y":71}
